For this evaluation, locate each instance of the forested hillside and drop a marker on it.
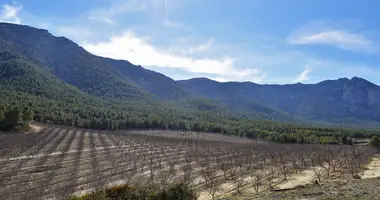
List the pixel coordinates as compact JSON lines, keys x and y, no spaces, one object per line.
{"x":353,"y":101}
{"x":102,"y":77}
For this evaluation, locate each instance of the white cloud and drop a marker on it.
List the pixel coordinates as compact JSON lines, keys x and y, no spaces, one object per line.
{"x":333,"y":33}
{"x":339,"y":38}
{"x":186,"y":46}
{"x":9,"y":13}
{"x":304,"y":75}
{"x":204,"y":47}
{"x":107,"y":14}
{"x":175,"y":25}
{"x":139,"y":51}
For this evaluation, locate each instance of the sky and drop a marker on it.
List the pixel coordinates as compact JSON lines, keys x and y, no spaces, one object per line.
{"x":262,"y":41}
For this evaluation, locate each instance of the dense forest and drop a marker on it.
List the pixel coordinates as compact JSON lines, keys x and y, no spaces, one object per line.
{"x":134,"y":115}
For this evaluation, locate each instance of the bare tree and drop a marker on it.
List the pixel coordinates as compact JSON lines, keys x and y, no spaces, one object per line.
{"x":209,"y":175}
{"x":270,"y":175}
{"x":152,"y":169}
{"x":305,"y":159}
{"x":130,"y":174}
{"x":283,"y":161}
{"x":172,"y":164}
{"x":187,"y":170}
{"x":257,"y":178}
{"x":237,"y":177}
{"x":165,"y":175}
{"x":294,"y":158}
{"x":225,"y":166}
{"x":315,"y":161}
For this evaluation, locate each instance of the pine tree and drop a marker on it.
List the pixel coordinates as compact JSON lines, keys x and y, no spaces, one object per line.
{"x":12,"y":117}
{"x":2,"y":113}
{"x":27,"y":115}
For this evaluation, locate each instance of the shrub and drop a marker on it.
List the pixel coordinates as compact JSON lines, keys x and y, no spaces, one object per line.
{"x":374,"y":142}
{"x":356,"y":176}
{"x":91,"y":196}
{"x":179,"y":191}
{"x":127,"y":192}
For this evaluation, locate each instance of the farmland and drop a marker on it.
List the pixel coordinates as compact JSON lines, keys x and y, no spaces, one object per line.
{"x":56,"y":161}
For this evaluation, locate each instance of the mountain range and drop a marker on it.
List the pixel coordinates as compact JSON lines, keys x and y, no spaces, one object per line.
{"x":37,"y":64}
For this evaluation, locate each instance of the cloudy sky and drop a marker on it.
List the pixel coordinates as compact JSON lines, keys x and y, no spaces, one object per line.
{"x":263,"y":41}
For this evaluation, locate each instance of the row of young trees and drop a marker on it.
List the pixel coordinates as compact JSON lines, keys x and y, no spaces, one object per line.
{"x":85,"y":159}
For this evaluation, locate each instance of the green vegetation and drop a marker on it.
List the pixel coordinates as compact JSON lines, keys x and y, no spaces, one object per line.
{"x":45,"y":98}
{"x":351,"y":102}
{"x":137,"y":115}
{"x":374,"y":142}
{"x":126,"y":192}
{"x":13,"y":119}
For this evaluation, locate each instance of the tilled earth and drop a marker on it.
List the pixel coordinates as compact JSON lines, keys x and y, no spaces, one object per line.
{"x":367,"y":189}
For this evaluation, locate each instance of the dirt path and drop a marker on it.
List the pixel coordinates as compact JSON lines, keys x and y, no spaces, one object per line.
{"x":373,"y":168}
{"x":36,"y":128}
{"x":303,"y":178}
{"x":294,"y":180}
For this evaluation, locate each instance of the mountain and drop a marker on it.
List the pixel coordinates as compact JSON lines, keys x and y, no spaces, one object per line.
{"x":104,"y":77}
{"x":18,"y":74}
{"x":96,"y":75}
{"x":344,"y":100}
{"x":42,"y":68}
{"x":155,"y":83}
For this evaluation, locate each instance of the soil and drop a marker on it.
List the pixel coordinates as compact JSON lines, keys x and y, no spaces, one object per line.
{"x":36,"y":127}
{"x":367,"y":189}
{"x":372,"y":169}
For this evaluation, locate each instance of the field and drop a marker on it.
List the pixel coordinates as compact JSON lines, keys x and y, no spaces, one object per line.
{"x":348,"y":189}
{"x":54,"y":162}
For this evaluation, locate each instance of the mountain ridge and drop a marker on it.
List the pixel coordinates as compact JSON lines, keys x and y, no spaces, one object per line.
{"x":354,"y":78}
{"x":340,"y":101}
{"x":340,"y":97}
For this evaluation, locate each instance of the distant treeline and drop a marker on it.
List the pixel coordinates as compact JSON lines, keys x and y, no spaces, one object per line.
{"x":116,"y":115}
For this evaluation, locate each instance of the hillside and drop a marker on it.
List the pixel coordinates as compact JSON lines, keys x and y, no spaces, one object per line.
{"x":343,"y":101}
{"x":155,"y":83}
{"x":107,"y":78}
{"x":39,"y":65}
{"x":69,"y":62}
{"x":20,"y":75}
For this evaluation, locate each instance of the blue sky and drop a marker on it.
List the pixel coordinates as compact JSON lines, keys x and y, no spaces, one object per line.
{"x":263,"y":41}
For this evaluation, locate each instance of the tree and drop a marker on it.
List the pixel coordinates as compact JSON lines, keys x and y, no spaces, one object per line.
{"x":2,"y":112}
{"x":315,"y":163}
{"x":344,"y":139}
{"x":211,"y":183}
{"x":27,"y":115}
{"x":12,"y":117}
{"x":374,"y":142}
{"x":180,"y":191}
{"x":349,"y":141}
{"x":257,"y":179}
